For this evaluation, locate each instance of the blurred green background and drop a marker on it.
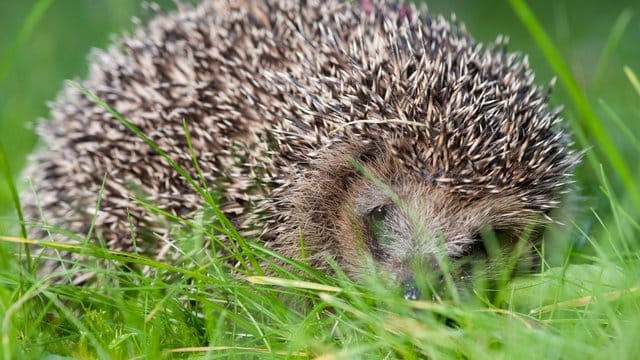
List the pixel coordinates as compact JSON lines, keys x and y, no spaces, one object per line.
{"x":57,"y":47}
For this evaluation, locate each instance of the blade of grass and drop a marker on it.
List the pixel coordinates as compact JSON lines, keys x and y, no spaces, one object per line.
{"x":628,"y":133}
{"x":33,"y":18}
{"x":8,"y":178}
{"x":209,"y":349}
{"x":612,"y":43}
{"x":633,"y":79}
{"x":589,"y":118}
{"x":586,"y":300}
{"x":268,"y":280}
{"x":621,"y":226}
{"x":120,"y":256}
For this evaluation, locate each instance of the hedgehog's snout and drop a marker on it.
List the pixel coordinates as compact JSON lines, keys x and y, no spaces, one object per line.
{"x":409,"y":239}
{"x":410,"y":289}
{"x":405,"y":280}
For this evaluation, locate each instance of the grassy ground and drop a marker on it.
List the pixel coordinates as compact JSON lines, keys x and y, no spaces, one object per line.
{"x":586,"y":306}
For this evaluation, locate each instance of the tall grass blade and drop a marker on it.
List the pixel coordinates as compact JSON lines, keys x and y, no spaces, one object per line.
{"x":621,"y":24}
{"x":581,"y":103}
{"x":33,"y":18}
{"x":633,"y":79}
{"x":8,"y":178}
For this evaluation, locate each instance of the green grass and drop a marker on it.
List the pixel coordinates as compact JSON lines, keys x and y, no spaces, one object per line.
{"x":585,"y":304}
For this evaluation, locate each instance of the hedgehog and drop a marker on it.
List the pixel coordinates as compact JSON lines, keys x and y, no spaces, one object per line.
{"x":355,"y":133}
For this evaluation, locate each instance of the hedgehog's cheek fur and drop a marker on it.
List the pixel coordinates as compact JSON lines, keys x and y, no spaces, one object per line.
{"x":422,"y":230}
{"x":428,"y":228}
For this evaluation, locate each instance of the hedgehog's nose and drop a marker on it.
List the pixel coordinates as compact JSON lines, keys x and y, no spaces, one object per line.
{"x":410,"y":290}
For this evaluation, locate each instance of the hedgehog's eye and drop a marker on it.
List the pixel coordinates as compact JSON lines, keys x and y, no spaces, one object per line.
{"x":378,"y":222}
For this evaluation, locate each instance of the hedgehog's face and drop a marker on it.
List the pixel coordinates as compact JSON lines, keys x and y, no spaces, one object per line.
{"x":411,"y":227}
{"x":362,"y":206}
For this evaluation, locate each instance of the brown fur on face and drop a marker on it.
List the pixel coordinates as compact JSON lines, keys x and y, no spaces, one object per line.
{"x":427,"y":221}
